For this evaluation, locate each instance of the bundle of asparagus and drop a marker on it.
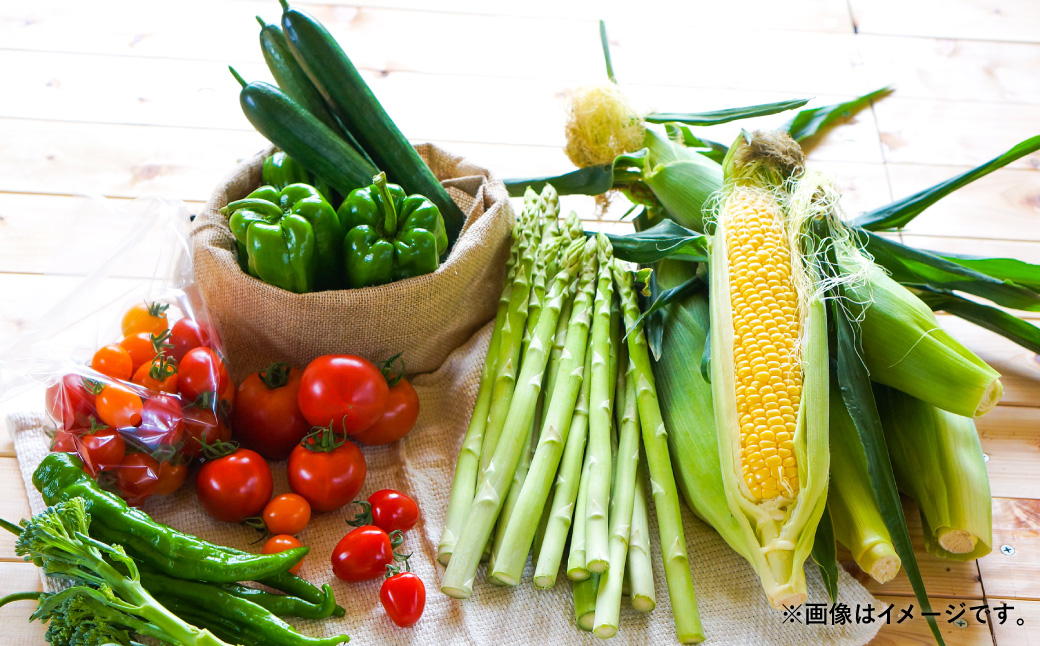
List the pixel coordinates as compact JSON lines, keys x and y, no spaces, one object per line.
{"x":566,"y":410}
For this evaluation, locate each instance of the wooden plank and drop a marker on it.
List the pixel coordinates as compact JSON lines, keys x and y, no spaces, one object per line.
{"x":1008,"y":436}
{"x":14,"y":505}
{"x":20,"y":577}
{"x":915,"y":632}
{"x":961,"y":133}
{"x":953,"y":70}
{"x":1016,"y":574}
{"x":1012,"y":632}
{"x":1006,"y":20}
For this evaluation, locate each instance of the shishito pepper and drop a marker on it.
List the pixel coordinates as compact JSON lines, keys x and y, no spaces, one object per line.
{"x":390,"y":235}
{"x":292,"y":237}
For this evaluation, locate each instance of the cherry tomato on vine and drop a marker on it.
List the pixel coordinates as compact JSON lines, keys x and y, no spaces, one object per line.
{"x":159,"y":375}
{"x":70,"y":403}
{"x":142,"y":349}
{"x":162,"y":422}
{"x":101,"y":449}
{"x":364,"y":553}
{"x":113,"y":361}
{"x":403,"y":596}
{"x":235,"y":486}
{"x":64,"y":441}
{"x":171,"y":478}
{"x":327,"y":470}
{"x":187,"y":334}
{"x":288,"y":513}
{"x":137,"y":477}
{"x":145,"y":317}
{"x":393,"y":510}
{"x":281,"y":543}
{"x":268,"y":418}
{"x":118,"y":406}
{"x":202,"y":426}
{"x":201,"y":371}
{"x":345,"y":391}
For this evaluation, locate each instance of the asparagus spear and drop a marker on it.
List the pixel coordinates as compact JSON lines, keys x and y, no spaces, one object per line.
{"x":639,"y":570}
{"x":666,"y":497}
{"x":597,"y":557}
{"x":576,"y":570}
{"x":487,"y":503}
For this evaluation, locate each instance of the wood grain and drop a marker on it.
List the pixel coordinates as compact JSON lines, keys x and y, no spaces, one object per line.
{"x":1016,"y":523}
{"x":915,"y":632}
{"x":1000,"y":20}
{"x":1011,"y":632}
{"x":20,"y":577}
{"x":1009,"y":438}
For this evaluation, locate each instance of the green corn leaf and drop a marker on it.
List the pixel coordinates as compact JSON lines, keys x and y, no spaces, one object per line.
{"x":915,"y":267}
{"x":899,"y":213}
{"x":593,"y":180}
{"x":682,"y":134}
{"x":666,"y":239}
{"x":661,"y":299}
{"x":825,"y":553}
{"x":809,"y":123}
{"x":993,"y":319}
{"x":716,"y":117}
{"x":1016,"y":271}
{"x":706,"y":357}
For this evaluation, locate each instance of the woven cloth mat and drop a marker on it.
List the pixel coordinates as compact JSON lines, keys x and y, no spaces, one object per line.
{"x":732,"y":605}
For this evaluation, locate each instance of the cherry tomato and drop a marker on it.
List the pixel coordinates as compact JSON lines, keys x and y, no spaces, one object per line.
{"x":171,"y":477}
{"x":162,"y":422}
{"x":328,"y":474}
{"x":70,"y":403}
{"x":403,"y":597}
{"x":113,"y":361}
{"x":202,"y":426}
{"x":402,"y":409}
{"x":288,"y":513}
{"x":101,"y":450}
{"x":281,"y":543}
{"x":137,"y":477}
{"x":201,"y":371}
{"x":118,"y":406}
{"x":141,"y":349}
{"x":235,"y":486}
{"x":185,"y":335}
{"x":65,"y":442}
{"x":268,"y":418}
{"x":343,"y":390}
{"x":145,"y":317}
{"x":159,"y":375}
{"x":362,"y":554}
{"x":393,"y":510}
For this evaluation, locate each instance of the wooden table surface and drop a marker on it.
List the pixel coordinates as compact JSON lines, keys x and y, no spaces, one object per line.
{"x":125,"y":98}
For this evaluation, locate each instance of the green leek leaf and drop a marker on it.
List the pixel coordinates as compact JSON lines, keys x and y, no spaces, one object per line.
{"x":993,"y":319}
{"x":726,"y":115}
{"x":825,"y":553}
{"x":809,"y":123}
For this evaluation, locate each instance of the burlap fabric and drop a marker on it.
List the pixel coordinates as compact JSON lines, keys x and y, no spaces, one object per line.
{"x":426,"y":317}
{"x":732,"y":605}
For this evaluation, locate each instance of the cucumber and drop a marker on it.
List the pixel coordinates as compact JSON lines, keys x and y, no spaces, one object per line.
{"x":352,"y":102}
{"x":304,"y":137}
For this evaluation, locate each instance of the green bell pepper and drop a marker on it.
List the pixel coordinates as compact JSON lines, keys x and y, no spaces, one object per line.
{"x":390,"y":236}
{"x":292,"y":237}
{"x":280,"y":170}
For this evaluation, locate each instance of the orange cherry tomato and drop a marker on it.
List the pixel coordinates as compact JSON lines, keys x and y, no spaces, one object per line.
{"x":171,"y":477}
{"x":145,"y":317}
{"x":141,"y":348}
{"x":288,"y":513}
{"x":159,"y":375}
{"x":118,"y":406}
{"x":113,"y":361}
{"x":281,"y":543}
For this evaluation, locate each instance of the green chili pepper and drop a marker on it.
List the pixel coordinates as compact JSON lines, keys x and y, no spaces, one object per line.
{"x":286,"y":605}
{"x":390,"y":236}
{"x":293,"y":237}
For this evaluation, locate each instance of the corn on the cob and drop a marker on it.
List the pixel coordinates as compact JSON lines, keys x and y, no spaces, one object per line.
{"x":768,"y":364}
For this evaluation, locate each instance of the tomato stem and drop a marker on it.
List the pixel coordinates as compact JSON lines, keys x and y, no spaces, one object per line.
{"x":159,"y":342}
{"x":218,"y":449}
{"x":275,"y":375}
{"x":363,"y":518}
{"x":387,"y":368}
{"x":393,"y":568}
{"x":322,"y":439}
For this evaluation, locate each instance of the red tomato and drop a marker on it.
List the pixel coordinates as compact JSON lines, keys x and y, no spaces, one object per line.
{"x":362,"y":554}
{"x":113,"y":361}
{"x":393,"y":510}
{"x":145,"y":317}
{"x":328,"y":474}
{"x":171,"y":478}
{"x":162,"y":422}
{"x":403,"y":597}
{"x":137,"y":477}
{"x":201,"y":371}
{"x":402,"y":409}
{"x":345,"y":391}
{"x":101,"y":450}
{"x":65,"y":442}
{"x":235,"y":486}
{"x":202,"y":426}
{"x":118,"y":406}
{"x":70,"y":403}
{"x":159,"y":375}
{"x":141,"y":349}
{"x":281,"y":543}
{"x":288,"y":513}
{"x":185,"y":335}
{"x":268,"y":418}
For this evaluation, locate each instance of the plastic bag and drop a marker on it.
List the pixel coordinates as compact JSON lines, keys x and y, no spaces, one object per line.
{"x":133,"y":368}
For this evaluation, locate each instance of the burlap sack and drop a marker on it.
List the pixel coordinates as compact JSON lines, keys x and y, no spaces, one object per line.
{"x":425,"y":317}
{"x":732,"y":605}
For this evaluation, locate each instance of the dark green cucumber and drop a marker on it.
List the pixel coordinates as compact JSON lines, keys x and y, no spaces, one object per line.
{"x":352,"y":102}
{"x":304,"y":137}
